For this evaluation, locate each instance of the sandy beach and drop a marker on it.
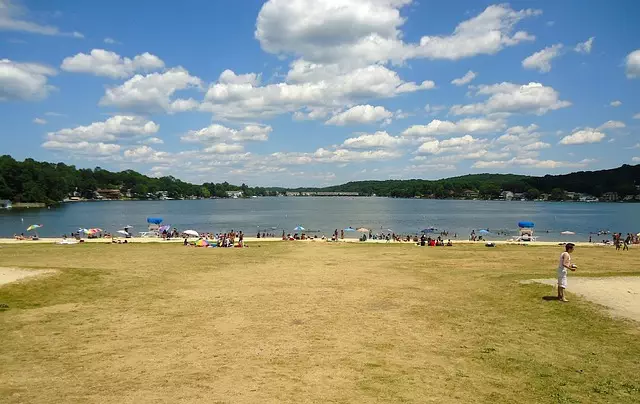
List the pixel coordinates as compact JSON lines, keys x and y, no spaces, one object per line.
{"x":249,"y":240}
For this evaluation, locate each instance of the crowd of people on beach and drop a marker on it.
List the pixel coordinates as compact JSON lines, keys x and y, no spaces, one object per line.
{"x":223,"y":240}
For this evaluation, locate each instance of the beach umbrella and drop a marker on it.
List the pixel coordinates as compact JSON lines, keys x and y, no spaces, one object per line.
{"x":202,"y":243}
{"x":191,"y":233}
{"x":526,"y":225}
{"x":298,"y":228}
{"x":362,"y":230}
{"x":94,"y":231}
{"x":349,"y":229}
{"x":484,"y":232}
{"x":567,"y":233}
{"x":154,"y":220}
{"x":34,"y":227}
{"x":164,"y":227}
{"x":124,"y":233}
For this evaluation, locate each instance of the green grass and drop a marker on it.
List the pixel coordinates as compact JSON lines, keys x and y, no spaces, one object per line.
{"x":316,"y":322}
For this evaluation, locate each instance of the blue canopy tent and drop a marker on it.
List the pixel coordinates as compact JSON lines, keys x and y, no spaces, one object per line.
{"x":526,"y":225}
{"x":154,"y":220}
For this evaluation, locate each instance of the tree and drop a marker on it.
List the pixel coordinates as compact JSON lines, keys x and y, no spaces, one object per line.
{"x":533,"y":193}
{"x":490,"y":190}
{"x":557,"y":194}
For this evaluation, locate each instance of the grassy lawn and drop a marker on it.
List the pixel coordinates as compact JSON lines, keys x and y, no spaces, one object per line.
{"x":316,"y":322}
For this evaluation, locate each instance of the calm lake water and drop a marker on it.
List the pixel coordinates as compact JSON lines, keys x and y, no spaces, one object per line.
{"x":326,"y":214}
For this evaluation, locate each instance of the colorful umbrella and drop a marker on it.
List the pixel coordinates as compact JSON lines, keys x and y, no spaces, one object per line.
{"x":164,"y":227}
{"x":362,"y":230}
{"x":349,"y":229}
{"x":484,"y":232}
{"x":191,"y":233}
{"x":34,"y":226}
{"x":94,"y":231}
{"x":298,"y":228}
{"x":124,"y":233}
{"x":202,"y":243}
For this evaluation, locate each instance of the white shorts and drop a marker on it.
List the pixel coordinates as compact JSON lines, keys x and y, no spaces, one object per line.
{"x":562,"y":278}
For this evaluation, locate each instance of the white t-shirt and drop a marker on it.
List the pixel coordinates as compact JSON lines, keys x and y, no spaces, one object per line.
{"x":565,"y":261}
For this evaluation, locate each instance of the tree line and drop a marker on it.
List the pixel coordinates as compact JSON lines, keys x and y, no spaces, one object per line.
{"x":622,"y":180}
{"x":33,"y":181}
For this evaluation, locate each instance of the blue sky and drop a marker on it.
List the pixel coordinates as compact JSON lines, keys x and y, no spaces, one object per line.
{"x":311,"y":92}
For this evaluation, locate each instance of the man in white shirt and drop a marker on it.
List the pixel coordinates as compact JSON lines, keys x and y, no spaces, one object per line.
{"x":564,"y":265}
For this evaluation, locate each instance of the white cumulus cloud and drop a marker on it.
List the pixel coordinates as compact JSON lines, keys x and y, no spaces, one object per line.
{"x":529,"y":162}
{"x":611,"y":125}
{"x":583,"y":136}
{"x":218,"y":133}
{"x":466,"y":79}
{"x":39,"y":121}
{"x":83,"y":147}
{"x":360,"y":114}
{"x":541,"y":60}
{"x":508,"y":97}
{"x":379,"y":139}
{"x":113,"y":129}
{"x":101,"y":62}
{"x":152,"y":92}
{"x":14,"y":17}
{"x":469,"y":125}
{"x":615,"y":103}
{"x":585,"y":47}
{"x":248,"y":99}
{"x":632,"y":64}
{"x":369,"y":31}
{"x":24,"y":81}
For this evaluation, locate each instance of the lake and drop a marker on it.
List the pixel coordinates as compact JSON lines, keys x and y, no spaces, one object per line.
{"x":325,"y":214}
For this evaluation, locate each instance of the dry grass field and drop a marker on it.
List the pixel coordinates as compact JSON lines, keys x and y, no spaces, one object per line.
{"x":310,"y":322}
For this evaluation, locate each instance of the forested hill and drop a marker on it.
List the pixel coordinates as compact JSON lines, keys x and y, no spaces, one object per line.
{"x":622,"y":180}
{"x":32,"y":181}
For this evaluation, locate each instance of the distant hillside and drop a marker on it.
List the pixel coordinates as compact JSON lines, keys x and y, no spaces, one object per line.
{"x":622,"y":180}
{"x":33,"y":181}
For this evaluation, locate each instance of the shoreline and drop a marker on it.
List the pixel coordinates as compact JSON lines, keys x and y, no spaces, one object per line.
{"x":50,"y":240}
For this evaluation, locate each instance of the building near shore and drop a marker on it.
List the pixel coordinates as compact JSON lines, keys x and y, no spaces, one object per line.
{"x":108,"y":194}
{"x":609,"y":197}
{"x":5,"y":204}
{"x":234,"y":194}
{"x":321,"y":193}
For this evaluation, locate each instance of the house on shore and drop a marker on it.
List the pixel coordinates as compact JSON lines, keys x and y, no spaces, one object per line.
{"x":234,"y":194}
{"x":108,"y":194}
{"x":5,"y":204}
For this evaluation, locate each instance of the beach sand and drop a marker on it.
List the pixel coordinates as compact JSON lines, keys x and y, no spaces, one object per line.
{"x":620,"y":294}
{"x":277,"y":239}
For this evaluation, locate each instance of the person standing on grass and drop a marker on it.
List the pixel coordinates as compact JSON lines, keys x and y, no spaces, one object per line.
{"x":564,"y":265}
{"x":627,"y":241}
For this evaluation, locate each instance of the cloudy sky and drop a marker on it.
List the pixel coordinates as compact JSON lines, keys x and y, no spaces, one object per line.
{"x":316,"y":92}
